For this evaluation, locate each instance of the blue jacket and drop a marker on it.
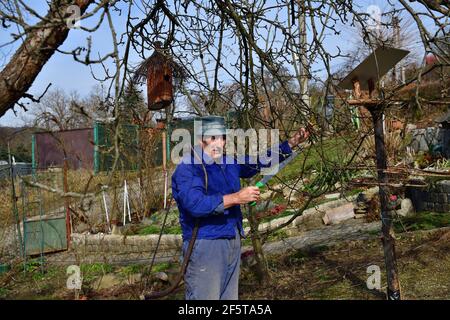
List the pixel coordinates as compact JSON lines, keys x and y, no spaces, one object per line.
{"x":194,"y":201}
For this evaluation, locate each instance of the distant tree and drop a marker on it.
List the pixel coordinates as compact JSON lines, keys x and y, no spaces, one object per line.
{"x":19,"y":140}
{"x":55,"y":111}
{"x":133,"y":108}
{"x":59,"y":110}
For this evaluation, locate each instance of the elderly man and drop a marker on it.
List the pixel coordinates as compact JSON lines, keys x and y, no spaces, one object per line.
{"x":206,"y":186}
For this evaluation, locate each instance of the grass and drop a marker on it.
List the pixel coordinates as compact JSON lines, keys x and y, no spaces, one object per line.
{"x":172,"y":225}
{"x":152,"y":229}
{"x":422,"y":221}
{"x":247,"y":241}
{"x":91,"y":271}
{"x":162,"y":266}
{"x":131,"y":269}
{"x":299,"y":256}
{"x":33,"y":265}
{"x":4,"y":292}
{"x":374,"y":232}
{"x":96,"y":268}
{"x":277,"y":235}
{"x":33,"y":283}
{"x":48,"y":274}
{"x":332,"y":149}
{"x":340,"y":272}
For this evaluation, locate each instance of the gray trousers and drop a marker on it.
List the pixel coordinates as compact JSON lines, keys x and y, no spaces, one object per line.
{"x":213,"y":269}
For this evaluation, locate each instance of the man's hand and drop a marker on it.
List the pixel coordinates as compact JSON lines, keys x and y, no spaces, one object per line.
{"x":300,"y":136}
{"x":248,"y":194}
{"x":244,"y":196}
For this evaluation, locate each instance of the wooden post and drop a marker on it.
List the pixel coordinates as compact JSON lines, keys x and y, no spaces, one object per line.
{"x":164,"y":138}
{"x":164,"y":145}
{"x":21,"y":244}
{"x":388,"y":239}
{"x":66,"y":203}
{"x":393,"y":291}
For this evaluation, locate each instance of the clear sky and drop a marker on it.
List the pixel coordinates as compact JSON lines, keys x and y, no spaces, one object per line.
{"x":63,"y":72}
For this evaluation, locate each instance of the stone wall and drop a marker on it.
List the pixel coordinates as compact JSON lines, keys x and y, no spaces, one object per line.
{"x":422,"y":139}
{"x":91,"y":248}
{"x":435,"y":198}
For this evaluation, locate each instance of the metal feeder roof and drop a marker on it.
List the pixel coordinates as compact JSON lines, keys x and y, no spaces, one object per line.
{"x":375,"y":66}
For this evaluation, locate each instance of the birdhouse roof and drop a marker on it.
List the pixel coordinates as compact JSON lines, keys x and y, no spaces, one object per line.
{"x":158,"y":60}
{"x":375,"y":66}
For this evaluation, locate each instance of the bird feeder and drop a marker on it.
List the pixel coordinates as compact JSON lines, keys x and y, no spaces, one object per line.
{"x":362,"y":80}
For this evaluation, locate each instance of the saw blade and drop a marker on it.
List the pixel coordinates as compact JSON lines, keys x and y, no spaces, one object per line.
{"x":283,"y":164}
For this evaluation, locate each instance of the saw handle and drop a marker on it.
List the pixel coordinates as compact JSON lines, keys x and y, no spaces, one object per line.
{"x":260,"y":185}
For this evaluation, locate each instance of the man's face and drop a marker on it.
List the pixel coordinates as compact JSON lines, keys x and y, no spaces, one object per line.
{"x":213,"y":145}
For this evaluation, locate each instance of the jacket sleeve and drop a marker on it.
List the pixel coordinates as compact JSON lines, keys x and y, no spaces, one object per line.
{"x":249,"y":168}
{"x":189,"y":191}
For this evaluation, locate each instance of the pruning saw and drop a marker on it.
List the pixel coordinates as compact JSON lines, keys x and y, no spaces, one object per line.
{"x":260,"y":184}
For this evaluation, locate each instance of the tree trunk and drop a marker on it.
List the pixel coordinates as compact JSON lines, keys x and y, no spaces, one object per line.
{"x":261,"y":270}
{"x":40,"y":44}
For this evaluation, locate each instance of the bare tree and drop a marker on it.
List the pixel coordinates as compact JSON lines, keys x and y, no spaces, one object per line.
{"x":58,"y":110}
{"x":39,"y":43}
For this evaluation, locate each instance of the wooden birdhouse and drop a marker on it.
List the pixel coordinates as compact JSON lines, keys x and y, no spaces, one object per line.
{"x":162,"y":75}
{"x":159,"y":79}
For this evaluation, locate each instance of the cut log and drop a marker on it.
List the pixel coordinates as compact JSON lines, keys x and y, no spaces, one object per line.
{"x":339,"y":214}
